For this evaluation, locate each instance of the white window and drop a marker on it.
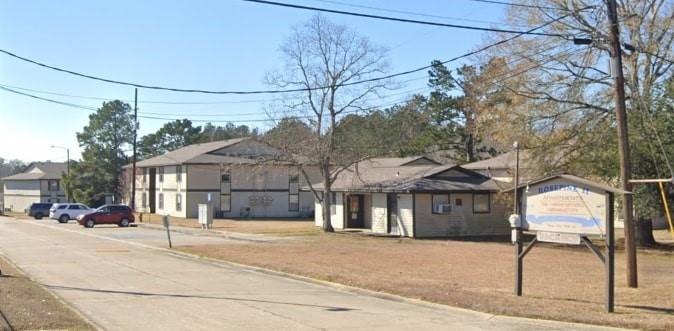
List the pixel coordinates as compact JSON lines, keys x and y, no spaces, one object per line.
{"x":441,"y":204}
{"x":161,"y":174}
{"x":179,"y":173}
{"x":144,"y":199}
{"x":179,"y":202}
{"x":144,"y":175}
{"x":481,"y":203}
{"x":161,"y":200}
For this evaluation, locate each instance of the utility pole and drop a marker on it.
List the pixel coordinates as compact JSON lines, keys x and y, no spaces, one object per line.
{"x":518,"y":231}
{"x":135,"y":137}
{"x":623,"y":142}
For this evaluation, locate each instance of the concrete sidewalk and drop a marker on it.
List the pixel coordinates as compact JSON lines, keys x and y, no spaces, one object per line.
{"x":130,"y":284}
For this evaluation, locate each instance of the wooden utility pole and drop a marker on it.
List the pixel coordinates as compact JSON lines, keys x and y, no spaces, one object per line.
{"x":623,"y":142}
{"x":135,"y":137}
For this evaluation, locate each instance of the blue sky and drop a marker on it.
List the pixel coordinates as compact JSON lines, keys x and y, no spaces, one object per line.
{"x":219,"y":45}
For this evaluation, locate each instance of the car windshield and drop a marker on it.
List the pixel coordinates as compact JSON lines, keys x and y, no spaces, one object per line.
{"x":101,"y":208}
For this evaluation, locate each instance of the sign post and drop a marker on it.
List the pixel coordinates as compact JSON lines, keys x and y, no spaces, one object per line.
{"x":167,"y":222}
{"x":567,"y":209}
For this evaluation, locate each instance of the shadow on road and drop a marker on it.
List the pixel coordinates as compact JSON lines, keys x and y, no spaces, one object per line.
{"x":134,"y":293}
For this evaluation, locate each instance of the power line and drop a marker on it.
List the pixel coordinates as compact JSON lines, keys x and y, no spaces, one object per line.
{"x":520,"y":5}
{"x":416,"y":13}
{"x":49,"y":100}
{"x":12,"y":88}
{"x":456,"y":58}
{"x":404,"y":20}
{"x":566,"y":52}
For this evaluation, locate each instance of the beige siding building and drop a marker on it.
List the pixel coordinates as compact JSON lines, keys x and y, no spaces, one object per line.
{"x":239,"y":177}
{"x":40,"y":183}
{"x":415,"y":197}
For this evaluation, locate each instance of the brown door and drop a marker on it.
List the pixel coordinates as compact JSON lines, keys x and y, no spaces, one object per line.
{"x":392,"y":212}
{"x":355,"y":212}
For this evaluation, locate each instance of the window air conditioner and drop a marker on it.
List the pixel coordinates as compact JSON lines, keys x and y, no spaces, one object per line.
{"x":443,"y":208}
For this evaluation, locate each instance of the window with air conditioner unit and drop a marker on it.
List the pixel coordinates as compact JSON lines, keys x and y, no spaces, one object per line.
{"x":441,"y":204}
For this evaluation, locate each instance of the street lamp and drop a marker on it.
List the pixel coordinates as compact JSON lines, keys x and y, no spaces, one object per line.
{"x":67,"y":169}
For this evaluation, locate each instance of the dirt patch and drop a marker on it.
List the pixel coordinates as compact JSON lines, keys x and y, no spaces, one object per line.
{"x":27,"y":306}
{"x":284,"y":227}
{"x":559,"y":283}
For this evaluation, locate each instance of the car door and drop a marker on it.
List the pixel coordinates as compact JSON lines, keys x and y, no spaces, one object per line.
{"x":115,"y":214}
{"x":73,"y":211}
{"x":102,"y":215}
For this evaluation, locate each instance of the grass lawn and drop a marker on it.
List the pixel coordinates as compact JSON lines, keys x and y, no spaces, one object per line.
{"x":27,"y":306}
{"x":559,"y":283}
{"x":277,"y":227}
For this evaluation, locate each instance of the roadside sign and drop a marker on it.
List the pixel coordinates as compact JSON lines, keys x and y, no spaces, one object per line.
{"x":558,"y":237}
{"x":563,"y":206}
{"x":566,"y":209}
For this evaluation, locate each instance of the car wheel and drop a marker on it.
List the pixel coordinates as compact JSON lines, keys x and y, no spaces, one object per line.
{"x":64,"y":219}
{"x":38,"y":216}
{"x":124,"y":222}
{"x":89,"y":223}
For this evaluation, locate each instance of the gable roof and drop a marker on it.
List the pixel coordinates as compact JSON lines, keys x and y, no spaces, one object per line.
{"x":502,"y":161}
{"x":198,"y":153}
{"x":401,"y":161}
{"x":575,"y":179}
{"x":41,"y":171}
{"x":393,"y":175}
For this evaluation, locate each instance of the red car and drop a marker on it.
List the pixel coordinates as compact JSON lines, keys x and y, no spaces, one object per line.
{"x":107,"y":214}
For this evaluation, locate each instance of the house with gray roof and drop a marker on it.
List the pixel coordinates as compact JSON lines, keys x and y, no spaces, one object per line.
{"x":502,"y":166}
{"x":239,"y":177}
{"x":41,"y":182}
{"x":415,"y":197}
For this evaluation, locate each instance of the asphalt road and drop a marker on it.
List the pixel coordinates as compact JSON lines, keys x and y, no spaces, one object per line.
{"x":121,"y":279}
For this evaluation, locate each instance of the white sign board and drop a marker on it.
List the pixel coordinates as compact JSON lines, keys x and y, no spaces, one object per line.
{"x":563,"y":206}
{"x":556,"y":237}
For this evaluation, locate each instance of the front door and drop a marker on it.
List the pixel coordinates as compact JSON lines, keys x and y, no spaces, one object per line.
{"x":392,"y":212}
{"x":355,"y":212}
{"x":153,"y":187}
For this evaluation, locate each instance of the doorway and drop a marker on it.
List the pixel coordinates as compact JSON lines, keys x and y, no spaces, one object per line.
{"x":153,"y":186}
{"x":392,"y":212}
{"x":355,"y":212}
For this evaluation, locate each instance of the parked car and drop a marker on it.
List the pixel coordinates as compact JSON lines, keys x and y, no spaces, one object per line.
{"x":63,"y":212}
{"x":107,"y":214}
{"x":39,"y":210}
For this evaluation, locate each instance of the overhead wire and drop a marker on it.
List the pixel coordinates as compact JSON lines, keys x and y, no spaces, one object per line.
{"x":451,"y":18}
{"x":12,"y":88}
{"x":272,"y":91}
{"x":145,"y":114}
{"x":404,"y":20}
{"x":521,"y":5}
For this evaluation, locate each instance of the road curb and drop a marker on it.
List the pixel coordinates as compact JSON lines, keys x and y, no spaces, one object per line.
{"x":380,"y":295}
{"x":58,"y":298}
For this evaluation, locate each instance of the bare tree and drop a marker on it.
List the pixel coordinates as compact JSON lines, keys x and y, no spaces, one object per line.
{"x":562,"y":93}
{"x":325,"y":60}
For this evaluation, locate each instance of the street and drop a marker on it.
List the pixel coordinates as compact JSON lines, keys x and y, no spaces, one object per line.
{"x":123,"y":279}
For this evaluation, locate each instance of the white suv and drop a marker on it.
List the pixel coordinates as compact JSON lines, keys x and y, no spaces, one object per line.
{"x":63,"y":212}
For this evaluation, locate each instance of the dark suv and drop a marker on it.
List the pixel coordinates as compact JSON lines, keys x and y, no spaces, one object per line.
{"x":39,"y":210}
{"x":107,"y":214}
